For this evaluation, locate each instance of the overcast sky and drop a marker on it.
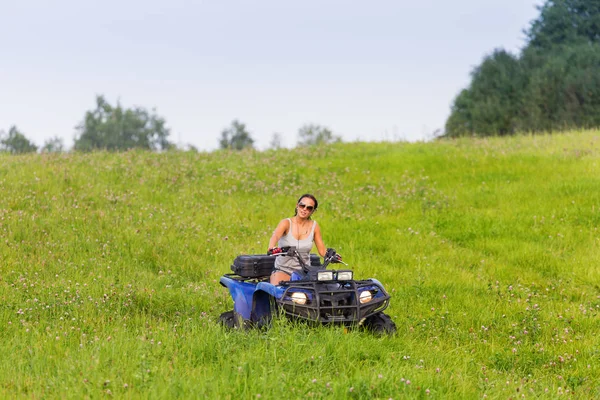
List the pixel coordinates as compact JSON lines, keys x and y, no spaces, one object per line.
{"x":368,"y":70}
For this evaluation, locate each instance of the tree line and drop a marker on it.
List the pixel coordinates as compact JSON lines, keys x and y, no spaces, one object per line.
{"x":114,"y":128}
{"x":552,"y":85}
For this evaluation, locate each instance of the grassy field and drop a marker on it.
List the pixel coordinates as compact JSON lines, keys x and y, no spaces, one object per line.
{"x":109,"y":268}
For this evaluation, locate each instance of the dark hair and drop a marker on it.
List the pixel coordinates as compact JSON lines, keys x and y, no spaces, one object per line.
{"x":310,"y":196}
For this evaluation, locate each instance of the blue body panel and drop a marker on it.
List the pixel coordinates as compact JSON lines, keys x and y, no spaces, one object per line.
{"x":275,"y":291}
{"x":242,"y":294}
{"x":297,"y":276}
{"x":254,"y":301}
{"x":376,"y":281}
{"x":251,"y":300}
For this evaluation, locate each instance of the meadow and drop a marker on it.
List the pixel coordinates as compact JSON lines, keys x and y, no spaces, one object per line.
{"x":490,"y":248}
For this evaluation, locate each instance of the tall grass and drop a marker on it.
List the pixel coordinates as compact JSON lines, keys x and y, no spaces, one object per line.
{"x":110,"y":264}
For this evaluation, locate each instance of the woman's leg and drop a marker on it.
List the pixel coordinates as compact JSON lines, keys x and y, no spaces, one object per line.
{"x":278,"y":276}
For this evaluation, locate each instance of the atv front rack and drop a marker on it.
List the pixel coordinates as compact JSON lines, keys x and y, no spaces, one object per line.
{"x":334,"y":302}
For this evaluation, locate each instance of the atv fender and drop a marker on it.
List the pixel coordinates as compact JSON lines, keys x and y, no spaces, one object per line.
{"x":376,"y":281}
{"x":264,"y":299}
{"x":267,"y":288}
{"x":242,"y":294}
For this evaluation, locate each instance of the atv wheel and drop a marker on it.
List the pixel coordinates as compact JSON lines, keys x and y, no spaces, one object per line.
{"x":227,"y":319}
{"x":380,"y":323}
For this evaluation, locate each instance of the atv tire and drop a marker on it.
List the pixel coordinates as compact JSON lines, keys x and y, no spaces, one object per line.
{"x":228,"y":319}
{"x":380,"y":323}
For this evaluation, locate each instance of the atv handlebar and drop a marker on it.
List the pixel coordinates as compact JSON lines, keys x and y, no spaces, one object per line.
{"x":331,"y":256}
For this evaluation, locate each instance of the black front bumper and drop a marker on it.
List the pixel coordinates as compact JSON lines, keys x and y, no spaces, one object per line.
{"x":334,"y":302}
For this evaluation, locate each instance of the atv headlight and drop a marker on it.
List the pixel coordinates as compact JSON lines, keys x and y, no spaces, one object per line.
{"x":299,"y":298}
{"x":344,"y":275}
{"x":365,"y":297}
{"x":325,"y":275}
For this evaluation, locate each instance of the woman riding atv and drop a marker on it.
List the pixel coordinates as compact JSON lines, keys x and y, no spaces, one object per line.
{"x":300,"y":232}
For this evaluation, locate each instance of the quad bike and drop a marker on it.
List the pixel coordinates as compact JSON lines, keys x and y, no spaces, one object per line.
{"x":315,"y":294}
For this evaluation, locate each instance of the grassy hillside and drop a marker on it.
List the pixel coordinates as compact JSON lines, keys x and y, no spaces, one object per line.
{"x":109,"y":268}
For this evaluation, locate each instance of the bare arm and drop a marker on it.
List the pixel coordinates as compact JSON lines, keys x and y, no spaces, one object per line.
{"x":278,"y":233}
{"x":319,"y":241}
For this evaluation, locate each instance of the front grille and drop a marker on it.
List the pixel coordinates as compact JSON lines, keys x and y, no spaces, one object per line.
{"x":333,"y":302}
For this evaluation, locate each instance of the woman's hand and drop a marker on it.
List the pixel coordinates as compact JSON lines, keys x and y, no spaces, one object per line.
{"x":335,"y":257}
{"x":274,"y":250}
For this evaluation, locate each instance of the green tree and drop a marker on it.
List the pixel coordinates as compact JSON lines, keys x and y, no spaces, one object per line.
{"x":15,"y":142}
{"x":460,"y":121}
{"x":491,"y":104}
{"x":553,"y":85}
{"x":564,"y":92}
{"x":191,"y":148}
{"x":236,"y":137}
{"x":311,"y":134}
{"x":53,"y":145}
{"x":276,"y":141}
{"x":115,"y":128}
{"x":565,"y":22}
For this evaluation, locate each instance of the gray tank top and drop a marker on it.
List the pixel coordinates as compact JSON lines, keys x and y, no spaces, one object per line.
{"x":304,"y":246}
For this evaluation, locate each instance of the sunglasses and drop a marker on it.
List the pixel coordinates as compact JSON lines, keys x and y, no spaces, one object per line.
{"x":303,"y":206}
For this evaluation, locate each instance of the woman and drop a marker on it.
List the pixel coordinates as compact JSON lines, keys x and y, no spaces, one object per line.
{"x":299,"y":231}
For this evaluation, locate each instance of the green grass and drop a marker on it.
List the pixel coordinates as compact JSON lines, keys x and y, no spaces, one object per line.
{"x":109,"y":268}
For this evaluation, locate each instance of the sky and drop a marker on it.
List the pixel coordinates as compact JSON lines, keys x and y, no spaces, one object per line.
{"x":368,"y":70}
